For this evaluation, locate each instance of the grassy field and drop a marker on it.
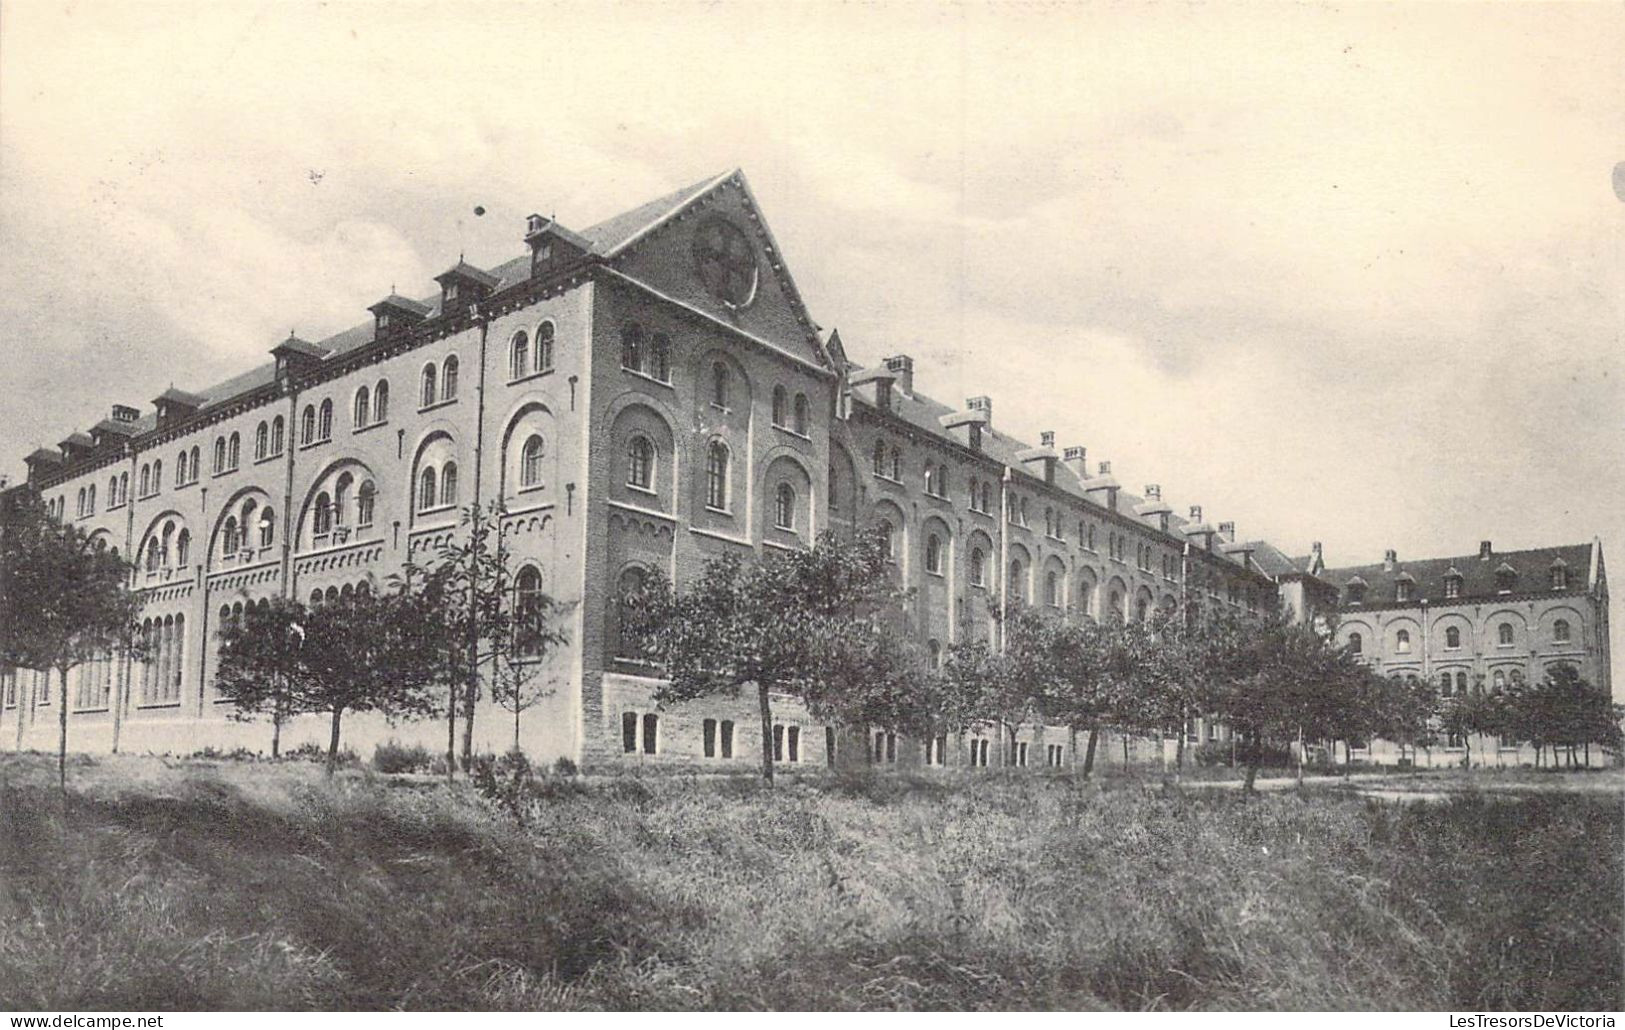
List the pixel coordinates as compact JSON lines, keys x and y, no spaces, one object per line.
{"x":195,"y":885}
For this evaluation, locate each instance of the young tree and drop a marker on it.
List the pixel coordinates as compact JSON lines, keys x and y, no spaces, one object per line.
{"x":260,"y":669}
{"x":798,"y":623}
{"x":1085,"y":692}
{"x":466,"y":596}
{"x":1564,"y":710}
{"x":63,"y":601}
{"x":364,"y":653}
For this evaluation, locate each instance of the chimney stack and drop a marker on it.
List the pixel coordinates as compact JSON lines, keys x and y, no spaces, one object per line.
{"x":981,"y":404}
{"x":125,"y":413}
{"x":902,"y":366}
{"x":1153,"y":491}
{"x":1105,"y":468}
{"x":1228,"y":531}
{"x":1484,"y":550}
{"x":1390,"y":558}
{"x":1077,"y":459}
{"x":1046,"y":438}
{"x":1315,"y":550}
{"x":1196,"y":513}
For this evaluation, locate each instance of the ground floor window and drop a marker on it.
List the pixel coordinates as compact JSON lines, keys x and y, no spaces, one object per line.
{"x":829,"y":746}
{"x":885,"y":748}
{"x":1054,"y":755}
{"x":936,"y":750}
{"x":719,"y":738}
{"x":639,"y":733}
{"x":978,"y":752}
{"x":1018,"y":753}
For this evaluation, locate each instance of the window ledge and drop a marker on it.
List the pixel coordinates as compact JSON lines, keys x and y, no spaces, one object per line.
{"x":528,"y":376}
{"x":533,"y":488}
{"x":145,"y":705}
{"x":792,"y":432}
{"x":437,"y":509}
{"x":268,"y":457}
{"x":719,"y":511}
{"x":314,"y":444}
{"x":215,"y":475}
{"x":723,"y":408}
{"x":646,"y":376}
{"x":647,"y":491}
{"x":370,"y":425}
{"x":442,"y":403}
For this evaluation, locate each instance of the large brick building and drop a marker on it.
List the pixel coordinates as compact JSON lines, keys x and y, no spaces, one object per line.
{"x":645,"y":394}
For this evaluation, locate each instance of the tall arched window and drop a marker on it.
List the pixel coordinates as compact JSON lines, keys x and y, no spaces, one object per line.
{"x":180,"y":468}
{"x":660,"y":358}
{"x":229,"y":544}
{"x":987,"y":496}
{"x":530,"y":462}
{"x":363,"y":407}
{"x":780,"y":406}
{"x":322,"y":517}
{"x":146,"y":480}
{"x":448,"y":484}
{"x":1499,"y":680}
{"x":79,"y":505}
{"x":897,"y":464}
{"x":1052,"y":593}
{"x":888,"y":543}
{"x":157,"y":478}
{"x":527,"y":607}
{"x":112,"y":492}
{"x":1017,"y":586}
{"x":784,"y":507}
{"x":380,"y":401}
{"x":183,"y":548}
{"x":124,"y":488}
{"x":628,"y":642}
{"x":801,"y":414}
{"x":1452,"y":637}
{"x":1504,"y":633}
{"x":978,"y":567}
{"x":716,"y":476}
{"x":930,"y":478}
{"x":448,"y":378}
{"x":544,"y":346}
{"x":267,"y":527}
{"x":519,"y":355}
{"x":365,"y":501}
{"x":219,"y":459}
{"x":933,"y":554}
{"x":640,"y":463}
{"x":341,"y":499}
{"x":880,"y":458}
{"x":234,"y":451}
{"x":1560,"y":631}
{"x":262,"y":441}
{"x":427,"y":495}
{"x":632,"y":347}
{"x":428,"y":390}
{"x":276,"y":435}
{"x":307,"y":425}
{"x":1402,"y":641}
{"x":719,"y":385}
{"x":1356,"y":643}
{"x":324,"y":428}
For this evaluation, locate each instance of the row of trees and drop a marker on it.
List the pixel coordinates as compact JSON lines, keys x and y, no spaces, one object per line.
{"x":829,"y":628}
{"x":442,"y":636}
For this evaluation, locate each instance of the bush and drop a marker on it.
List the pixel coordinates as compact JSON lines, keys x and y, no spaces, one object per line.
{"x":1212,"y":753}
{"x":394,"y":757}
{"x":236,"y":754}
{"x":310,"y":751}
{"x":562,"y":766}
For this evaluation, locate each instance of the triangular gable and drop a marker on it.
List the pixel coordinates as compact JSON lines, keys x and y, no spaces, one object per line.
{"x":754,"y":292}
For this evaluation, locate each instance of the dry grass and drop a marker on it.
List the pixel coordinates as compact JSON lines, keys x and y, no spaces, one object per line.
{"x":218,"y":886}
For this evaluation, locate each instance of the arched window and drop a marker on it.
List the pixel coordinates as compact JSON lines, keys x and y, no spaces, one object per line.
{"x":307,"y":425}
{"x":933,"y":554}
{"x":112,"y":492}
{"x":987,"y":496}
{"x":427,"y":496}
{"x":1356,"y":643}
{"x":527,"y":607}
{"x":544,"y":346}
{"x":124,"y":488}
{"x":152,"y":555}
{"x":975,"y":496}
{"x":448,"y":484}
{"x":341,"y":499}
{"x":1052,"y":593}
{"x":888,"y":545}
{"x":1016,"y":584}
{"x":219,"y":459}
{"x":719,"y":385}
{"x":234,"y":452}
{"x":660,"y":358}
{"x":1402,"y":641}
{"x":978,"y":567}
{"x":276,"y":435}
{"x":448,"y":378}
{"x":1444,"y":684}
{"x":365,"y":501}
{"x":1560,"y":631}
{"x":325,"y":428}
{"x":632,"y":347}
{"x":1452,"y":587}
{"x":146,"y":480}
{"x":180,"y":468}
{"x":780,"y":406}
{"x":380,"y":401}
{"x":79,"y":505}
{"x":833,"y":489}
{"x":880,"y":458}
{"x":930,"y":479}
{"x":1461,"y":683}
{"x":784,"y":507}
{"x":323,"y":514}
{"x":183,"y":548}
{"x":519,"y":355}
{"x":640,"y":463}
{"x":1452,"y":637}
{"x":1504,"y":633}
{"x":716,"y":476}
{"x":530,"y":462}
{"x":228,"y":537}
{"x":157,"y":479}
{"x":428,"y":386}
{"x":1560,"y":578}
{"x":1498,"y":680}
{"x":262,"y":441}
{"x":628,"y":642}
{"x":897,"y":464}
{"x":801,"y":414}
{"x":267,"y":527}
{"x":363,"y":407}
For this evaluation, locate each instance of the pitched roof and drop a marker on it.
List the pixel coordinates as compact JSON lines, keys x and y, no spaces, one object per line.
{"x":191,"y":400}
{"x":463,"y":270}
{"x":1478,"y":575}
{"x":400,"y":303}
{"x":294,"y":345}
{"x":613,"y":234}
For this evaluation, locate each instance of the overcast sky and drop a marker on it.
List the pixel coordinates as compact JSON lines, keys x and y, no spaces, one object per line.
{"x":1352,"y":274}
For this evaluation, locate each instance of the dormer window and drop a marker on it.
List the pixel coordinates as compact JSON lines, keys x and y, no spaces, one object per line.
{"x":451,"y":291}
{"x":1402,"y":590}
{"x":1560,"y":577}
{"x":383,"y":320}
{"x":883,"y":395}
{"x":1452,"y":587}
{"x":1355,"y":590}
{"x":975,"y":437}
{"x":1506,"y":577}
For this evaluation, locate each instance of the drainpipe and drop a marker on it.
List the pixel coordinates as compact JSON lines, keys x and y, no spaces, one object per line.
{"x":1004,"y":553}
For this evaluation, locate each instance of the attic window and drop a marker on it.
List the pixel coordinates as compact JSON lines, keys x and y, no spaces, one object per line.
{"x":1356,"y":593}
{"x":975,"y":437}
{"x":883,"y":395}
{"x":1560,"y":578}
{"x":451,"y":291}
{"x":1402,"y":590}
{"x":383,"y":320}
{"x":1452,"y":587}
